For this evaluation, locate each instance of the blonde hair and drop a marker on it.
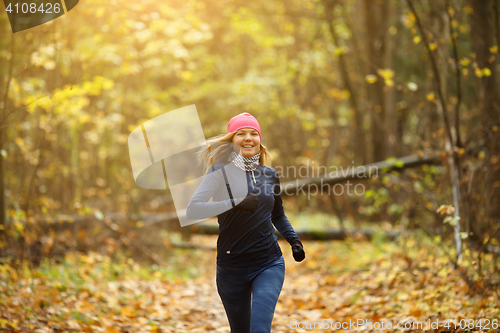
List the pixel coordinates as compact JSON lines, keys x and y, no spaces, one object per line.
{"x":219,"y":151}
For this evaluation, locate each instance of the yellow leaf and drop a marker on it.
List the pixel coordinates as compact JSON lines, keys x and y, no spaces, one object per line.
{"x":494,"y":49}
{"x":417,"y":39}
{"x":187,"y":75}
{"x":478,"y":72}
{"x":16,"y":88}
{"x":19,"y":141}
{"x":85,"y":118}
{"x":430,"y":97}
{"x":465,"y":62}
{"x":370,"y":78}
{"x":386,"y":73}
{"x":31,"y":109}
{"x":100,"y":11}
{"x":415,"y":312}
{"x":338,"y":51}
{"x":465,"y":71}
{"x":410,"y":20}
{"x":445,"y":209}
{"x":389,"y":82}
{"x":393,"y":30}
{"x":486,"y":71}
{"x":167,"y":243}
{"x":468,"y":10}
{"x":345,"y":94}
{"x":334,"y":93}
{"x":432,"y":46}
{"x":19,"y":226}
{"x":127,"y":311}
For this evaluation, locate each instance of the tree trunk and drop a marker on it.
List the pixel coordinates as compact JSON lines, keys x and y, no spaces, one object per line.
{"x":389,"y":96}
{"x":381,"y":101}
{"x":360,"y":115}
{"x":3,"y":134}
{"x":3,"y":217}
{"x":483,"y":38}
{"x":359,"y":132}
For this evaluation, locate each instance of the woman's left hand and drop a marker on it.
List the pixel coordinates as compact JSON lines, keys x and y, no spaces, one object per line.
{"x":298,"y":250}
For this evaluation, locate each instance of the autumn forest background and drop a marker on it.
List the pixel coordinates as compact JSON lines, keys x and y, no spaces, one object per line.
{"x":409,"y":86}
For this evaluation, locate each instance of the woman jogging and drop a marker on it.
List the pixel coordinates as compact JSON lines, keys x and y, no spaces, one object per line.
{"x":250,"y":264}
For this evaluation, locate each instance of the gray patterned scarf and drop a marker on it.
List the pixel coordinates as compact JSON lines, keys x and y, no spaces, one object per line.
{"x":245,"y":163}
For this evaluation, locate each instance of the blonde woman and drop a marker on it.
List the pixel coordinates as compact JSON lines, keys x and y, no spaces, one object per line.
{"x":250,"y":264}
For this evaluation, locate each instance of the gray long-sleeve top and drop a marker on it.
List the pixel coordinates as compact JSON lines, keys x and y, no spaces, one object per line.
{"x":245,"y":239}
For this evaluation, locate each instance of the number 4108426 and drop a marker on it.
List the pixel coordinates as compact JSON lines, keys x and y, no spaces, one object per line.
{"x":32,"y":8}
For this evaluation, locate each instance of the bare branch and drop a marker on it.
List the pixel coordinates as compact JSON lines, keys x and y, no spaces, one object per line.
{"x":9,"y":112}
{"x":435,"y":70}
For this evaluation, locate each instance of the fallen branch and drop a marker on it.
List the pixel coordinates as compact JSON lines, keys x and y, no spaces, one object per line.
{"x":305,"y":234}
{"x":359,"y":173}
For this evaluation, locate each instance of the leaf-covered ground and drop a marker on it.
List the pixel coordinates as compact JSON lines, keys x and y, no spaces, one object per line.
{"x":339,"y":283}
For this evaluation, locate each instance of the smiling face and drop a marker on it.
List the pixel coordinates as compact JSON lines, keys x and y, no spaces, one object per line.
{"x":248,"y":140}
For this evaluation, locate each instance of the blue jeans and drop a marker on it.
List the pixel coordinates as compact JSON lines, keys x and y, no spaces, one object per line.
{"x":249,"y":295}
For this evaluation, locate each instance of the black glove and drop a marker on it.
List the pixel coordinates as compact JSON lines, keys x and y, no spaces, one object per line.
{"x":298,"y":250}
{"x":249,"y":204}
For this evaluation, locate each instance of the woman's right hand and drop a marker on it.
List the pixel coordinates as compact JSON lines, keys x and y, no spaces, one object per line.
{"x":249,"y":204}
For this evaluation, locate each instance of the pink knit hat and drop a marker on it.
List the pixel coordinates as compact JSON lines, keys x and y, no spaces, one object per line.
{"x":243,"y":120}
